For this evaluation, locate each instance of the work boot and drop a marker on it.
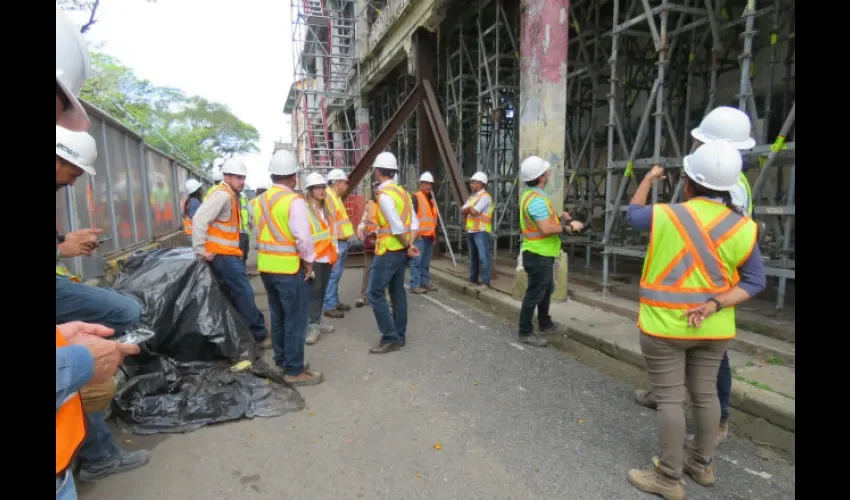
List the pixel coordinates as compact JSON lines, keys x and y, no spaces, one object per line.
{"x":326,"y":328}
{"x":334,"y":313}
{"x":343,"y":307}
{"x":266,"y":343}
{"x":646,"y":399}
{"x":533,"y":339}
{"x":383,"y":348}
{"x":124,"y":461}
{"x":431,"y":287}
{"x":550,"y":329}
{"x":651,"y":480}
{"x":304,"y":378}
{"x":361,"y":302}
{"x":313,"y":332}
{"x":702,"y":474}
{"x":722,"y":431}
{"x":419,"y":290}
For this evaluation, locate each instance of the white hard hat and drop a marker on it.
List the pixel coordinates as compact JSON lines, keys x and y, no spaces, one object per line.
{"x":72,"y":69}
{"x":216,"y":176}
{"x":337,"y":175}
{"x":480,"y":177}
{"x":385,"y":160}
{"x":283,"y":163}
{"x":729,"y":124}
{"x":426,"y":177}
{"x":234,"y":166}
{"x":192,"y":185}
{"x":715,"y":165}
{"x":77,"y":148}
{"x":533,"y":167}
{"x":314,"y":179}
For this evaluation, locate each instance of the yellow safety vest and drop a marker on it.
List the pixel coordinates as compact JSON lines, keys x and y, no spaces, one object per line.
{"x":61,"y":270}
{"x":533,"y":240}
{"x":210,"y":190}
{"x":344,"y":229}
{"x":695,"y":249}
{"x":387,"y":241}
{"x":276,"y":249}
{"x":480,"y":222}
{"x":243,"y":210}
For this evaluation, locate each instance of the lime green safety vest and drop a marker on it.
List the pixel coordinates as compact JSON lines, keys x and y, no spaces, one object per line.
{"x":387,"y":241}
{"x":243,"y":213}
{"x":480,"y":222}
{"x":695,"y":249}
{"x":533,"y":240}
{"x":276,"y":249}
{"x":210,"y":190}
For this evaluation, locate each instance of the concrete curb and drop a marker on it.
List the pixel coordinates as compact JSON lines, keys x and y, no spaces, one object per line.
{"x":774,"y":408}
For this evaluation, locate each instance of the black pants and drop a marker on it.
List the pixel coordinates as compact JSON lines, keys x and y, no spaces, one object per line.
{"x":244,"y":245}
{"x":318,"y":286}
{"x":541,"y":284}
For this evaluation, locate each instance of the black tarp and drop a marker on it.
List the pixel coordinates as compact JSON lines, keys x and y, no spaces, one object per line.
{"x":182,"y":379}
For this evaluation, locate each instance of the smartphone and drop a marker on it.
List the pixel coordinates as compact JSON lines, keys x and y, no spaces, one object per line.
{"x":136,"y":337}
{"x":103,"y":239}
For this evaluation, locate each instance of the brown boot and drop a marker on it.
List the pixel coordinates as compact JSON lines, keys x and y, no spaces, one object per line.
{"x":723,"y":431}
{"x":431,"y":287}
{"x":651,"y":480}
{"x":304,"y":378}
{"x":702,"y":474}
{"x":343,"y":307}
{"x":419,"y":290}
{"x":334,"y":313}
{"x":361,"y":302}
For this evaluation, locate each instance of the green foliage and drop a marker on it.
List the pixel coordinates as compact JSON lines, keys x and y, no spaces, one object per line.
{"x":190,"y":128}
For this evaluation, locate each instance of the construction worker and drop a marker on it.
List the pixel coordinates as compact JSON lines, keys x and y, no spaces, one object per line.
{"x":425,"y":207}
{"x":397,"y":226}
{"x":478,"y":211}
{"x":541,"y":244}
{"x":732,"y":125}
{"x":367,"y":233}
{"x":216,"y":178}
{"x":285,"y":255}
{"x":338,"y":183}
{"x":703,"y":260}
{"x":191,"y":205}
{"x":215,"y":237}
{"x":324,"y":232}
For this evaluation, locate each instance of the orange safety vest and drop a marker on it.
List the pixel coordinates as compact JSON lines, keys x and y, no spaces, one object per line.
{"x":344,"y":229}
{"x":427,"y":214}
{"x":187,"y":221}
{"x":324,"y":235}
{"x":372,"y":219}
{"x":70,"y":424}
{"x":223,"y":236}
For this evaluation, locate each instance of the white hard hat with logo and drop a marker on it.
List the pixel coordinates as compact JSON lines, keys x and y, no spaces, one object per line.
{"x":426,"y":177}
{"x":337,"y":175}
{"x":283,"y":163}
{"x":480,"y":177}
{"x":77,"y":148}
{"x":726,"y":123}
{"x":385,"y":160}
{"x":72,"y":69}
{"x":216,"y":176}
{"x":715,"y":165}
{"x":314,"y":179}
{"x":234,"y":166}
{"x":533,"y":167}
{"x":192,"y":185}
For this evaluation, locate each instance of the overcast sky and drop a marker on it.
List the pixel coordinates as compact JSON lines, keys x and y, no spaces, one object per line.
{"x":236,"y":52}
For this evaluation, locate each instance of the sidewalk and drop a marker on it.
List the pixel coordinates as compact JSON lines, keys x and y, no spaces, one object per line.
{"x":763,"y":368}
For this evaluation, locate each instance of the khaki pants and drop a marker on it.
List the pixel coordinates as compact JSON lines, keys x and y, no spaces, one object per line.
{"x":675,"y":366}
{"x":97,"y":397}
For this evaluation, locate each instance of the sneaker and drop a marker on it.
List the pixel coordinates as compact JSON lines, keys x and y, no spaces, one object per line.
{"x":702,"y":474}
{"x":533,"y":339}
{"x":334,"y":313}
{"x":312,"y":334}
{"x":304,"y":378}
{"x":431,"y":287}
{"x":482,"y":288}
{"x":326,"y":329}
{"x":343,"y":307}
{"x":646,"y":399}
{"x":382,"y":348}
{"x":419,"y":290}
{"x":651,"y":480}
{"x":124,"y":461}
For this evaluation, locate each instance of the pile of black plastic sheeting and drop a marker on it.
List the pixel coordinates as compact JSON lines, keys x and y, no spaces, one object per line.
{"x":202,"y":365}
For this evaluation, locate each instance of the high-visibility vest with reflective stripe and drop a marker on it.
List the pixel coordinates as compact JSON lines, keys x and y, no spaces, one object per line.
{"x":187,"y":221}
{"x":276,"y":249}
{"x":70,"y":423}
{"x":533,"y":240}
{"x":742,"y":195}
{"x":695,"y":249}
{"x":480,"y":222}
{"x":61,"y":270}
{"x":324,"y":234}
{"x":344,"y":229}
{"x":427,"y":215}
{"x":372,"y":219}
{"x":223,"y":237}
{"x":243,"y":213}
{"x":387,"y":241}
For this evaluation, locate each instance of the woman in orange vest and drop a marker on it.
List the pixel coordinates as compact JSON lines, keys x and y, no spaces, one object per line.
{"x":191,"y":205}
{"x":324,"y":234}
{"x":367,"y":233}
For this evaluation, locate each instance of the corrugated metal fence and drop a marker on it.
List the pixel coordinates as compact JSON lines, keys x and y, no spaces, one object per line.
{"x":135,"y":196}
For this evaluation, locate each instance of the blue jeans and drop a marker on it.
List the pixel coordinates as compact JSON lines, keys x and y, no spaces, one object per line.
{"x":65,"y":488}
{"x":388,"y":271}
{"x":231,"y":270}
{"x":288,"y":303}
{"x":79,"y":302}
{"x":98,"y":445}
{"x":332,"y":292}
{"x":724,"y":386}
{"x":420,"y":266}
{"x":479,"y":251}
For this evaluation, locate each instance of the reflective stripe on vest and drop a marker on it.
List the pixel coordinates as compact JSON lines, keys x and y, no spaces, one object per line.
{"x":223,"y":236}
{"x":387,"y":241}
{"x":344,"y":229}
{"x":187,"y":225}
{"x":243,"y":213}
{"x":372,"y":220}
{"x":62,"y":270}
{"x":480,"y":222}
{"x":324,"y":235}
{"x":276,"y":249}
{"x":533,"y":240}
{"x":694,"y":252}
{"x":70,"y":423}
{"x":427,"y":215}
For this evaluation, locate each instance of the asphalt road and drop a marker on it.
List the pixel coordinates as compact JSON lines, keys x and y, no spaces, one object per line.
{"x":461,"y":413}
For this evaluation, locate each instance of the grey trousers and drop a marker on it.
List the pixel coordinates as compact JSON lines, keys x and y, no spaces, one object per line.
{"x":318,"y":285}
{"x":675,"y":366}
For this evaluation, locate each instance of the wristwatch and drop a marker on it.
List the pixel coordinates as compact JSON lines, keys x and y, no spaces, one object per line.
{"x":716,"y":303}
{"x":60,"y":238}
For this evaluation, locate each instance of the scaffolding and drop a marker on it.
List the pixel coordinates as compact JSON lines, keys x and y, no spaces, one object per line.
{"x":325,"y":62}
